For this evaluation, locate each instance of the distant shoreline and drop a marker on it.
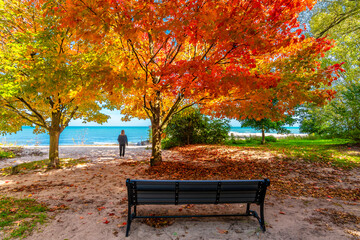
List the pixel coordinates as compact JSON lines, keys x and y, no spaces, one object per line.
{"x":99,"y":136}
{"x":134,"y":145}
{"x":276,"y":135}
{"x":75,"y":145}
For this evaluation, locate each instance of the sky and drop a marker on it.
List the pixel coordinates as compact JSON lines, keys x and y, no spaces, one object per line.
{"x":115,"y":120}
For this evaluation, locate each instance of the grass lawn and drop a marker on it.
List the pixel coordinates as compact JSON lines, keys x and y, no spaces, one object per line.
{"x":42,"y":164}
{"x":18,"y":217}
{"x":337,"y":152}
{"x":6,"y":154}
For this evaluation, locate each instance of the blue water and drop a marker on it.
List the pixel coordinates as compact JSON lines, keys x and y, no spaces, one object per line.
{"x":78,"y":135}
{"x":93,"y":135}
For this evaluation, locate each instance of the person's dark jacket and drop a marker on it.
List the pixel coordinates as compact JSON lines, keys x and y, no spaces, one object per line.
{"x":122,"y":139}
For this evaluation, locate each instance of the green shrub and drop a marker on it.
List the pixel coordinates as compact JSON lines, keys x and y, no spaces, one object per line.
{"x":270,"y":139}
{"x":168,"y":143}
{"x":192,"y":127}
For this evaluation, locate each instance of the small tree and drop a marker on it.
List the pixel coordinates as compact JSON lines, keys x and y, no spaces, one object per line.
{"x":47,"y":75}
{"x":266,"y":125}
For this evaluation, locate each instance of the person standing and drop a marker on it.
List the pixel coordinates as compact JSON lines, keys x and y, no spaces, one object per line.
{"x":122,"y":139}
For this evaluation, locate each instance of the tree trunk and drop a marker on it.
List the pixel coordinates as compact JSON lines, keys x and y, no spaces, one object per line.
{"x":156,"y":158}
{"x":54,"y":149}
{"x":263,"y":136}
{"x":54,"y":132}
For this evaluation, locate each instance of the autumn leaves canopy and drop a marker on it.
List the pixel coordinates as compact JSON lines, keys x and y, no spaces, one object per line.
{"x":231,"y":58}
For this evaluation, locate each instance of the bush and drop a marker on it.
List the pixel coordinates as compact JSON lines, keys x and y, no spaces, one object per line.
{"x":270,"y":139}
{"x":168,"y":143}
{"x":192,"y":127}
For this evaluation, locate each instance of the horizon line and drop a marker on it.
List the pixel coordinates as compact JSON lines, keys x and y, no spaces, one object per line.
{"x":142,"y":126}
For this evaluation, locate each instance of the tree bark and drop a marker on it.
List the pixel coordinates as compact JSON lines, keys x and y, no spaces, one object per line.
{"x":263,"y":136}
{"x":54,"y":132}
{"x":54,"y":149}
{"x":156,"y":157}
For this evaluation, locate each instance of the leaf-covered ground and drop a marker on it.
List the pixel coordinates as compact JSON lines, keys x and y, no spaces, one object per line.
{"x":306,"y":200}
{"x":288,"y":177}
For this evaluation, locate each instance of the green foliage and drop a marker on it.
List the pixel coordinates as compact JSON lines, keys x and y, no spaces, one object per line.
{"x":18,"y":217}
{"x":340,"y":118}
{"x":268,"y":125}
{"x":339,"y":19}
{"x":192,"y":127}
{"x":270,"y":139}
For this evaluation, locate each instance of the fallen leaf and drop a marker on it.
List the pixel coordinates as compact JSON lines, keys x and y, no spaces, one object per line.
{"x":222,"y":231}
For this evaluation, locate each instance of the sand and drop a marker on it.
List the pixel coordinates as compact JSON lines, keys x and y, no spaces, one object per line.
{"x":94,"y":196}
{"x":93,"y":152}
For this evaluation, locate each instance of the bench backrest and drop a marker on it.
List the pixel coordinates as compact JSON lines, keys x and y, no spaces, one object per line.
{"x":196,"y":191}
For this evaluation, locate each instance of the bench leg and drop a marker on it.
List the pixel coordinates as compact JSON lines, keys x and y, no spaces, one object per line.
{"x":248,"y":209}
{"x":262,"y":219}
{"x":128,"y":221}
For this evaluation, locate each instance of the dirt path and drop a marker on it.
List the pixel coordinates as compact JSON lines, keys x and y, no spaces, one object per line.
{"x":94,"y":153}
{"x":89,"y":201}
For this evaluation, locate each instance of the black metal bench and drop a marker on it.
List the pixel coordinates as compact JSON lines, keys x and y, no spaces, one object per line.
{"x":158,"y":192}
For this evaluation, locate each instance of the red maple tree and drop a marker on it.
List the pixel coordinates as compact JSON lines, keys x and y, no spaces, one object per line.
{"x":230,"y":57}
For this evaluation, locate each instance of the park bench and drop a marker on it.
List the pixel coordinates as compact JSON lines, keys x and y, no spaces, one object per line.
{"x":173,"y":192}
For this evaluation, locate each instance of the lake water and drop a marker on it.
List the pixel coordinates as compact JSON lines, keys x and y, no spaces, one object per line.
{"x":94,"y":135}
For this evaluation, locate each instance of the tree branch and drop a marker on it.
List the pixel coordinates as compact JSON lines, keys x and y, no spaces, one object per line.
{"x":19,"y":113}
{"x":172,"y":110}
{"x":227,"y":53}
{"x":137,"y":56}
{"x":63,"y":126}
{"x":337,"y":20}
{"x":38,"y":115}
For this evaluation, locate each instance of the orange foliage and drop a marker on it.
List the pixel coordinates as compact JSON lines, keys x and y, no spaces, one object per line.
{"x":230,"y":57}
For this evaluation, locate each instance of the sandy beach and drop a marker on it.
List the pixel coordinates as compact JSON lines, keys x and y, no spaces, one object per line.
{"x":90,"y":201}
{"x":95,"y":153}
